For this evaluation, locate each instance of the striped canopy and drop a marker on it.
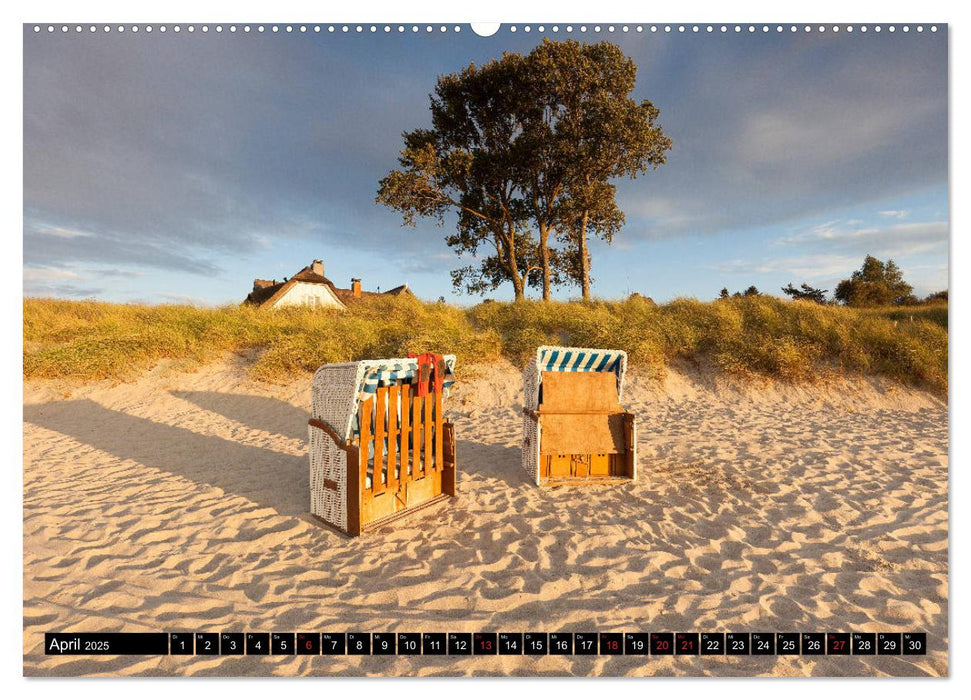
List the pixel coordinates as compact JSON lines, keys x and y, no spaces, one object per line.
{"x":561,"y":359}
{"x":387,"y":372}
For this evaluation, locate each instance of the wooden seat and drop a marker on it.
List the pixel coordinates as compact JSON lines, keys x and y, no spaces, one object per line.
{"x":585,"y":434}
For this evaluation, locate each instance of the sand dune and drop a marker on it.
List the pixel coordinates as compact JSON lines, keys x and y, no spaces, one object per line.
{"x":180,"y":503}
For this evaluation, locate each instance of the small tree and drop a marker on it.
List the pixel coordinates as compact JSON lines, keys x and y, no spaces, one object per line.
{"x":752,"y":291}
{"x":723,"y":294}
{"x":806,"y":293}
{"x":875,"y":284}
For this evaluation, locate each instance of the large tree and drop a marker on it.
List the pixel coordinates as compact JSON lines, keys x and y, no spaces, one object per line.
{"x":522,"y":149}
{"x":467,"y":163}
{"x":875,"y":284}
{"x":591,"y":131}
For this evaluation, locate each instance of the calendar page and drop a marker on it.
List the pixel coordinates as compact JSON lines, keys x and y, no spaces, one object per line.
{"x":526,"y":349}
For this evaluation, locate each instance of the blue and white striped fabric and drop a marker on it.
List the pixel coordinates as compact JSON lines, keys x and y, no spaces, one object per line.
{"x":560,"y":359}
{"x":579,"y":360}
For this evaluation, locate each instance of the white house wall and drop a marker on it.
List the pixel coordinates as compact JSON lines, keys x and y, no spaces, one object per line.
{"x":305,"y":294}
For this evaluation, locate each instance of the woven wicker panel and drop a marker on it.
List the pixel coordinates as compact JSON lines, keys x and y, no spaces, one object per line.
{"x":327,"y":462}
{"x":334,"y":394}
{"x":531,"y":448}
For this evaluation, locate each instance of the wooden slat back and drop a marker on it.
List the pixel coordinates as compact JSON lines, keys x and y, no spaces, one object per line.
{"x":428,"y":429}
{"x":364,"y":420}
{"x":417,"y":468}
{"x":405,"y":430}
{"x":439,"y":448}
{"x":380,"y":420}
{"x":414,"y":439}
{"x":393,"y":436}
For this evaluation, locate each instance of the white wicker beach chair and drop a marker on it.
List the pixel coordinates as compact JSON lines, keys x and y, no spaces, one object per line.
{"x":574,"y":427}
{"x":379,"y":444}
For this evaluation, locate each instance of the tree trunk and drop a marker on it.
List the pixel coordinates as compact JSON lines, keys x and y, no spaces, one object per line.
{"x":513,"y":266}
{"x":544,"y":259}
{"x":584,"y":258}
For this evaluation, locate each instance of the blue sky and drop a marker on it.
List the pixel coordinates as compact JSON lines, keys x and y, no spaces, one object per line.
{"x":177,"y":167}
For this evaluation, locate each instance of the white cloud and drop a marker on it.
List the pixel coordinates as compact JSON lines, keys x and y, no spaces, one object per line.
{"x":803,"y":266}
{"x":48,"y":274}
{"x":896,"y":240}
{"x":895,"y":213}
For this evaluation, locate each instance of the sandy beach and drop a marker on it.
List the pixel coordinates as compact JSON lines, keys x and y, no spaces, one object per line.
{"x":180,"y":502}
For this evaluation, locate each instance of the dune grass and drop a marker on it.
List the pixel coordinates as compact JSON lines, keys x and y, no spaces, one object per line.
{"x":749,"y":336}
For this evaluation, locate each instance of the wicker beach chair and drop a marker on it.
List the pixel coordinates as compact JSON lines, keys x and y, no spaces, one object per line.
{"x":575,"y":430}
{"x":380,"y":447}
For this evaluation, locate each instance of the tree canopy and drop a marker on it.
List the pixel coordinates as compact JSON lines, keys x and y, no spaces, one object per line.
{"x":806,"y":293}
{"x":875,"y":284}
{"x":523,"y":150}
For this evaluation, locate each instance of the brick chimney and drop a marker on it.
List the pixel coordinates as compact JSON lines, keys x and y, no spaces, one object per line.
{"x":355,"y":287}
{"x":317,"y":267}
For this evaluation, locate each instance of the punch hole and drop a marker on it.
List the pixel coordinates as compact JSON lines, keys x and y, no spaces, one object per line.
{"x":485,"y":28}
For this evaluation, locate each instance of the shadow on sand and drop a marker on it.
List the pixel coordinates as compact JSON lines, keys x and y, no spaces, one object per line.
{"x":273,"y":479}
{"x":258,"y":412}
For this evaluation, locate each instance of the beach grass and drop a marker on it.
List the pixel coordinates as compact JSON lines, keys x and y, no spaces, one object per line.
{"x":749,"y":336}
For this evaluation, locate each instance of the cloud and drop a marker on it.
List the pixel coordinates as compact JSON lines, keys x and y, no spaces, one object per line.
{"x":795,"y":128}
{"x":895,"y":213}
{"x":61,"y":290}
{"x":181,"y":155}
{"x":897,"y":240}
{"x":804,"y":266}
{"x":42,"y":248}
